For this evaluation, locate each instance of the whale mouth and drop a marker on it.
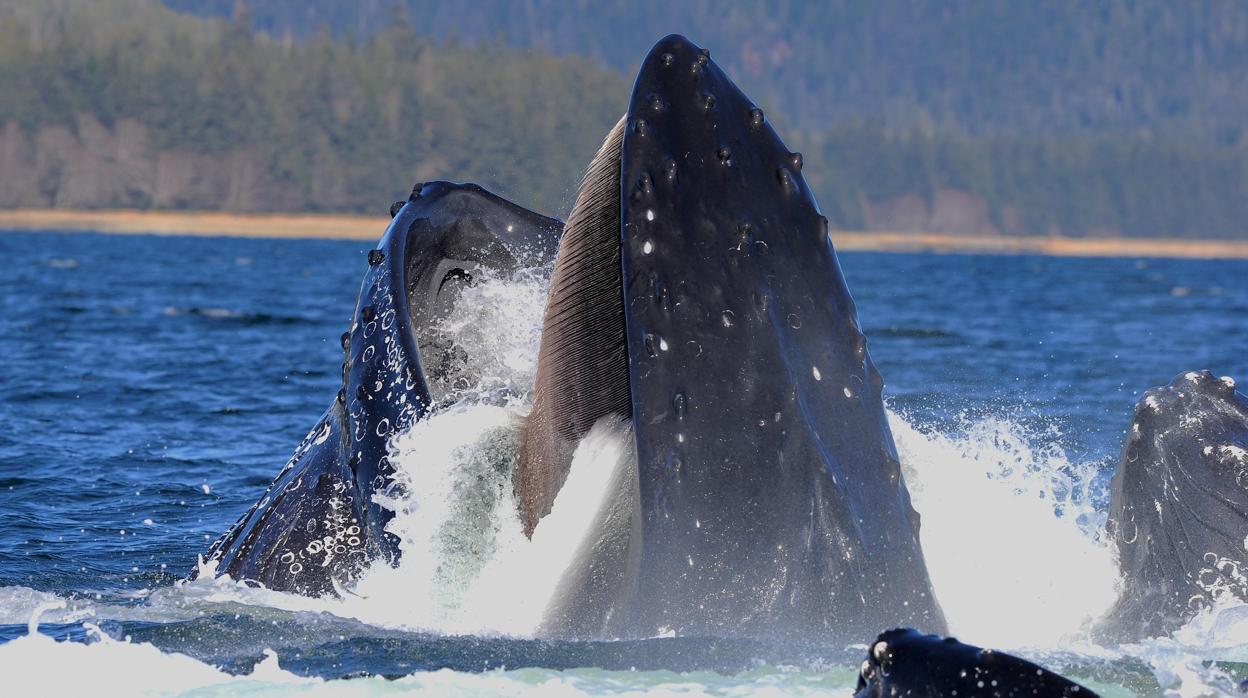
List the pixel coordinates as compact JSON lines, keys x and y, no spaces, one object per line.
{"x":444,"y":361}
{"x":456,"y":237}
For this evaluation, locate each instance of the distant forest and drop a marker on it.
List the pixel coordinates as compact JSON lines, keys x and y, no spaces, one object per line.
{"x":1103,"y":118}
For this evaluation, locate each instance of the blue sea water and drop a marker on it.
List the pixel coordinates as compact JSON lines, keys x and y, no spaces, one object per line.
{"x":152,"y":387}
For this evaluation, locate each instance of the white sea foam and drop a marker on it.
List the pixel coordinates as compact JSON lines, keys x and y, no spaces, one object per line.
{"x":37,"y":665}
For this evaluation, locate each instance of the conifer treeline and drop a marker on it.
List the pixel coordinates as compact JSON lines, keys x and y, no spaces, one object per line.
{"x":129,"y":104}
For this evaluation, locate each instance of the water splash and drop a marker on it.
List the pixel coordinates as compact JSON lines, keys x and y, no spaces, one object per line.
{"x":1009,"y":531}
{"x":466,"y":565}
{"x":494,"y":333}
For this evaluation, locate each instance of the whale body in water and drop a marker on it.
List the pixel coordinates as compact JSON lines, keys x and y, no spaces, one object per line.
{"x":697,"y":303}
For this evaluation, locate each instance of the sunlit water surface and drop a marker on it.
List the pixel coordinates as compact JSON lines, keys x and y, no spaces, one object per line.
{"x":154,"y":386}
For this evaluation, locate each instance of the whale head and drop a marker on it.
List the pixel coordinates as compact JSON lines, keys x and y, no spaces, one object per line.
{"x":697,"y":295}
{"x":317,"y":526}
{"x":1179,"y":506}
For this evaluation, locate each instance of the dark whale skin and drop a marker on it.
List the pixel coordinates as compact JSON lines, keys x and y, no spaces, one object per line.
{"x":905,"y":662}
{"x":317,"y":526}
{"x":1178,"y":512}
{"x":772,"y":498}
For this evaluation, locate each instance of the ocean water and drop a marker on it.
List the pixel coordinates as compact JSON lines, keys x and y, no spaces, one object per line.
{"x":152,"y":387}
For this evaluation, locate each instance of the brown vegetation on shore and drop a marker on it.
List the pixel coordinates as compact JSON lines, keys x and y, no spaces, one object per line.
{"x":353,"y":227}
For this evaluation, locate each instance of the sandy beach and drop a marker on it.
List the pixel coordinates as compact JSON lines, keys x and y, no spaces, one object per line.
{"x":358,"y":227}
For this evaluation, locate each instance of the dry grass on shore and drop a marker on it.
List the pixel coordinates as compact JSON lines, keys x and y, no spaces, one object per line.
{"x":354,"y":227}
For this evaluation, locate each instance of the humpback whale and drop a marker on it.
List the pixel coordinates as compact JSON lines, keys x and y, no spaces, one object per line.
{"x":905,"y":662}
{"x":696,"y":305}
{"x":697,"y":295}
{"x":1179,"y":506}
{"x":317,"y":526}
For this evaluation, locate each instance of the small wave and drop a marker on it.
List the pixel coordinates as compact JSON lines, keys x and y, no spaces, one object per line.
{"x":30,"y":667}
{"x":235,"y":316}
{"x":913,"y":333}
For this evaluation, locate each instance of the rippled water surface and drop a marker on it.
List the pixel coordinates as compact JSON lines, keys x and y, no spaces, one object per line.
{"x":152,"y":387}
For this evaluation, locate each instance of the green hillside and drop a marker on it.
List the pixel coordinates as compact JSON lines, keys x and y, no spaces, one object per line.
{"x":1137,"y":67}
{"x":1125,"y":118}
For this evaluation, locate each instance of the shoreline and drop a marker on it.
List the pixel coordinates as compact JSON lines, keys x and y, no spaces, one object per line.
{"x":370,"y":228}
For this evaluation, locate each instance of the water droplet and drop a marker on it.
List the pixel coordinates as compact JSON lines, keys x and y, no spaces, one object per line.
{"x":795,"y":320}
{"x":678,"y":404}
{"x":649,"y":214}
{"x":647,"y":248}
{"x":756,"y":117}
{"x":728,"y":318}
{"x":649,"y":342}
{"x":814,"y":370}
{"x":848,"y":393}
{"x":662,"y":344}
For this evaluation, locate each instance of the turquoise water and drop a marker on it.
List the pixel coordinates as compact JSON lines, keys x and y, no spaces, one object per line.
{"x":153,"y":387}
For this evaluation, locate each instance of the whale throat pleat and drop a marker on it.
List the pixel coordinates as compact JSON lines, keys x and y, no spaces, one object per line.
{"x":582,"y":372}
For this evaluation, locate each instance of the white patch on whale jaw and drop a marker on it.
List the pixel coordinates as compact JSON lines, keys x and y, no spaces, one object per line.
{"x":593,"y":535}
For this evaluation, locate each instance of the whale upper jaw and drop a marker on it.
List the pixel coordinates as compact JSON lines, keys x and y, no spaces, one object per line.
{"x":1179,"y":506}
{"x":771,"y":497}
